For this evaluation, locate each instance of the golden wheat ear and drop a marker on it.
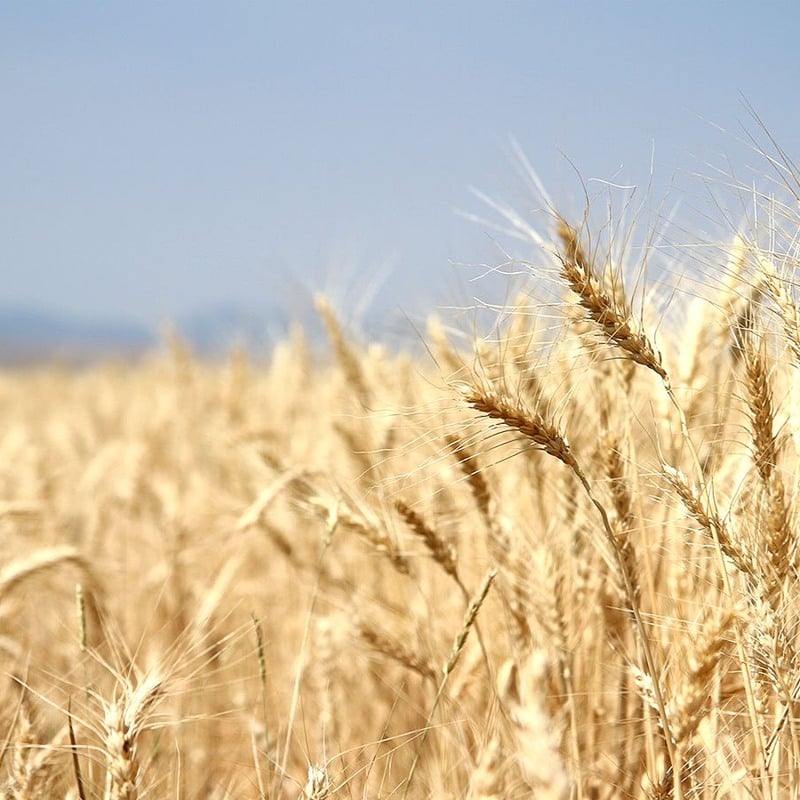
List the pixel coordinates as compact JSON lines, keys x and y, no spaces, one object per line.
{"x":125,"y":717}
{"x":611,"y":313}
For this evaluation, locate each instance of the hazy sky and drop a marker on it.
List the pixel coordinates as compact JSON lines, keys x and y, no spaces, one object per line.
{"x":161,"y":157}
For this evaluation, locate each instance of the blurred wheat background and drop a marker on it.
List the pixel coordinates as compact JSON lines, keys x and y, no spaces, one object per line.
{"x":553,"y":558}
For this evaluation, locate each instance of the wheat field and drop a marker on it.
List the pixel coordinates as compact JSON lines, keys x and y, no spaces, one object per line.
{"x":556,"y":558}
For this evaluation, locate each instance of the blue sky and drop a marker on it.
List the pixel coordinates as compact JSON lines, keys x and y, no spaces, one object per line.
{"x":158,"y":158}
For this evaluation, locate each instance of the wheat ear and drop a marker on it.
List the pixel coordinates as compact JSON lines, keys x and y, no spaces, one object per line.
{"x":536,"y":734}
{"x":348,"y":360}
{"x":442,"y":551}
{"x":124,"y":719}
{"x":609,"y":312}
{"x":780,"y":541}
{"x":688,"y":705}
{"x":395,"y":649}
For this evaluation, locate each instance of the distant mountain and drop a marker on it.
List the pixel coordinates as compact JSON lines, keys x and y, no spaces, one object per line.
{"x":30,"y":336}
{"x":214,"y":330}
{"x":34,"y":336}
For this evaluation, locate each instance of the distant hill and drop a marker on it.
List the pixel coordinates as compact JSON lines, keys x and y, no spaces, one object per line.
{"x":29,"y":336}
{"x":32,"y":336}
{"x":214,"y":330}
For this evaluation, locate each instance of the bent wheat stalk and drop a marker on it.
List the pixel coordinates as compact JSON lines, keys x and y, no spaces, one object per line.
{"x":546,"y":436}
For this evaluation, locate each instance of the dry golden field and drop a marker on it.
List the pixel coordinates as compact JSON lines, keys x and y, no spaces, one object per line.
{"x":556,"y":559}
